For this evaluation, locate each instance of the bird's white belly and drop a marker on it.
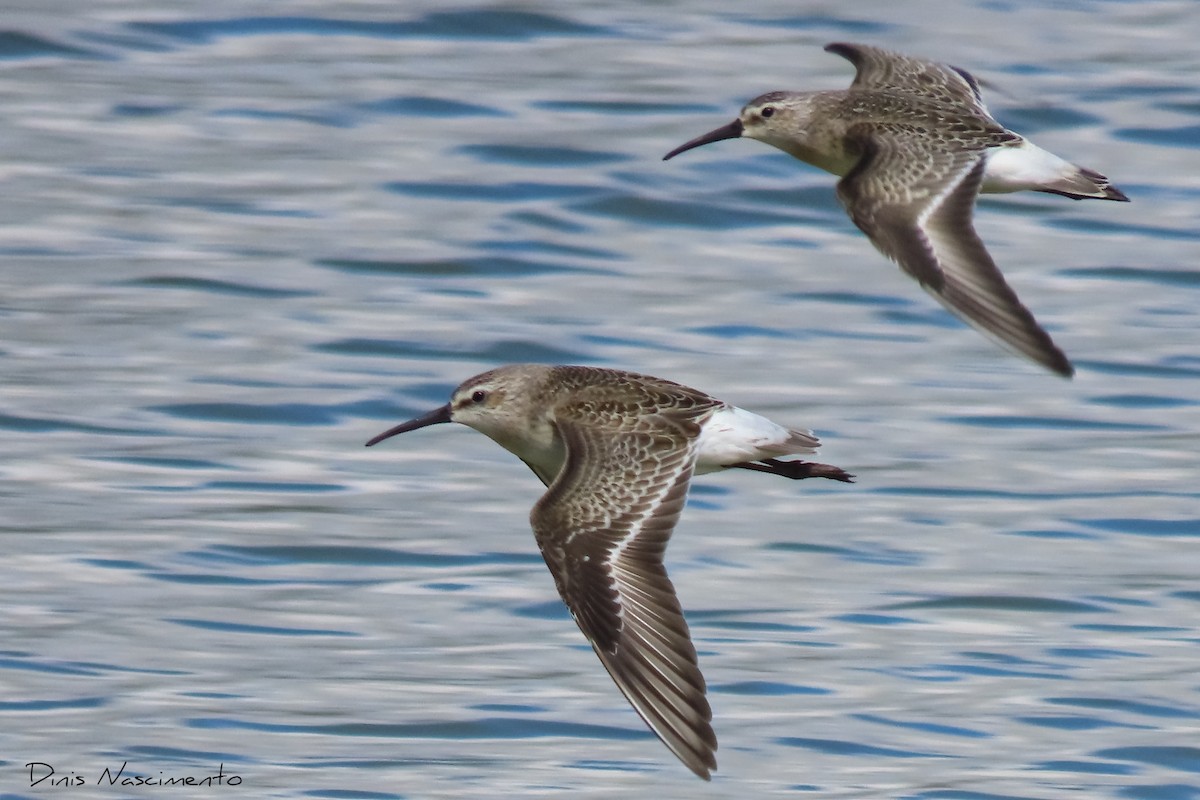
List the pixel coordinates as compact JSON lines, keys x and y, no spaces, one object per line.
{"x":1027,"y":166}
{"x":733,"y":435}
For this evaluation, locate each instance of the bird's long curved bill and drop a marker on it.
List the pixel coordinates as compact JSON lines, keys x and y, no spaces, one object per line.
{"x":731,"y":131}
{"x":438,"y":415}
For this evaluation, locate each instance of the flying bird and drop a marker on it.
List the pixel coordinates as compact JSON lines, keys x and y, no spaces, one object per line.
{"x":914,"y":144}
{"x":617,"y":452}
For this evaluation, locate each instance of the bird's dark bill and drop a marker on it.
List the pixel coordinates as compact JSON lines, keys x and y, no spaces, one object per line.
{"x":438,"y":415}
{"x":731,"y":131}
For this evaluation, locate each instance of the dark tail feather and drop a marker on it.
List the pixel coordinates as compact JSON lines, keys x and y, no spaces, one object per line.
{"x":1101,"y":189}
{"x":796,"y":470}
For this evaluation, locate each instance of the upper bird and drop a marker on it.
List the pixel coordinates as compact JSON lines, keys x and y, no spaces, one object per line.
{"x":617,"y":451}
{"x":914,"y":144}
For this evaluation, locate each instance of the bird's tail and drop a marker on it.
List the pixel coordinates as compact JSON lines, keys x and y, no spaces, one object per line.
{"x":1084,"y":184}
{"x":1024,"y":165}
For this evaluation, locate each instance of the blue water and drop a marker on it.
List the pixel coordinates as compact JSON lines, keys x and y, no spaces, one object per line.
{"x":241,"y":239}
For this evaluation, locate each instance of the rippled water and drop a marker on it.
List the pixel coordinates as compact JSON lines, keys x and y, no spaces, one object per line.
{"x":241,"y":238}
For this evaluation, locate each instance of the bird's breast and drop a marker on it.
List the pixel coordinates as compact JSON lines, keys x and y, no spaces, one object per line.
{"x":538,"y":445}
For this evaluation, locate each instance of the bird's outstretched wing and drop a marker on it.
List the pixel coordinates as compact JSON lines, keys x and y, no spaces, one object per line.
{"x":886,"y":70}
{"x":916,"y":204}
{"x":603,"y":527}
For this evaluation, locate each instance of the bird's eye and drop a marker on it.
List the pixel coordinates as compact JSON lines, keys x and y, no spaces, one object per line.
{"x":478,"y":396}
{"x":767,"y":112}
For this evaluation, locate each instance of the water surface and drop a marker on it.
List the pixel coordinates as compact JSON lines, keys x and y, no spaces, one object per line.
{"x":240,"y":239}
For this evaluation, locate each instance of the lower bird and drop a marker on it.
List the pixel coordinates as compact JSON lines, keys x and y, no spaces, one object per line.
{"x":914,"y":144}
{"x":617,"y":451}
